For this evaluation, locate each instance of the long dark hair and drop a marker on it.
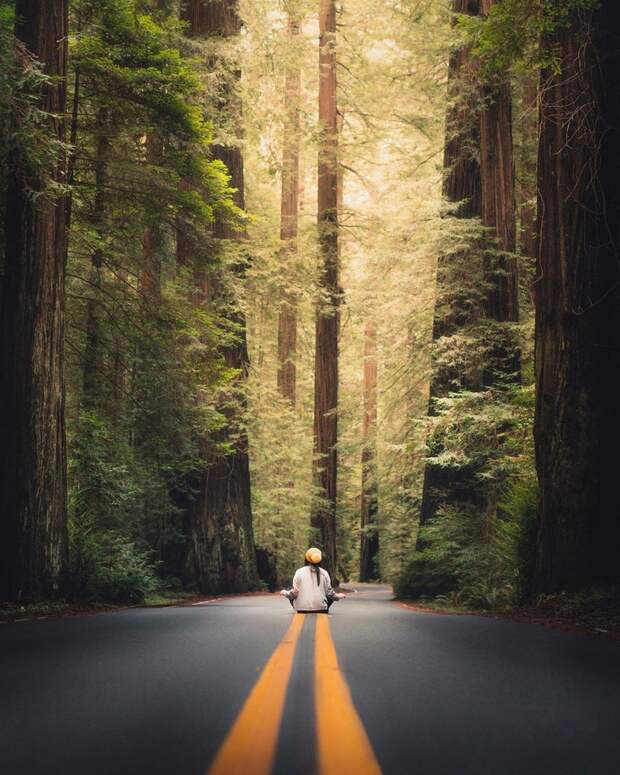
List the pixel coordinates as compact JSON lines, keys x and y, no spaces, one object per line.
{"x":317,"y":568}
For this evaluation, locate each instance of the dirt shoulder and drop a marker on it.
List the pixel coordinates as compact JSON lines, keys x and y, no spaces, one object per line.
{"x":11,"y":613}
{"x":558,"y":613}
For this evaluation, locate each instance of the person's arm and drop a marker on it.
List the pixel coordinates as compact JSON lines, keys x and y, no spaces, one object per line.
{"x":330,"y":592}
{"x":294,"y":591}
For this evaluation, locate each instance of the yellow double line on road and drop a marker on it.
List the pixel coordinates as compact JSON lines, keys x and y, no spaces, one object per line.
{"x":343,"y":745}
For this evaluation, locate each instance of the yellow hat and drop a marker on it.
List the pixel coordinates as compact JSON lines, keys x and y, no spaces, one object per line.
{"x":314,"y":555}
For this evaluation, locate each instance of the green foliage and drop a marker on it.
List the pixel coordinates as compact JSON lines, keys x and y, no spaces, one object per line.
{"x":282,"y":490}
{"x":106,"y":567}
{"x":140,"y":436}
{"x":24,"y":127}
{"x":107,"y":485}
{"x":513,"y":34}
{"x":480,"y":554}
{"x":520,"y":506}
{"x":266,"y":561}
{"x":467,"y":558}
{"x":132,"y":65}
{"x":132,"y":54}
{"x":149,"y":103}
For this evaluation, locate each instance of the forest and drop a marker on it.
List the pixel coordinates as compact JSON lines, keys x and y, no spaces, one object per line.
{"x":283,"y":273}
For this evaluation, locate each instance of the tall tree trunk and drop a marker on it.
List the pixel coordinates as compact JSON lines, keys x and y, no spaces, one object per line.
{"x":32,"y":433}
{"x":501,"y":273}
{"x":454,"y":313}
{"x":527,"y":171}
{"x":323,"y":517}
{"x":221,"y":544}
{"x":461,"y":183}
{"x":480,"y":180}
{"x":578,"y":306}
{"x":289,"y":217}
{"x":369,"y":538}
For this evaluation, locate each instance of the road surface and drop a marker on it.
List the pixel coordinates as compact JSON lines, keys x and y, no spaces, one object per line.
{"x":242,"y":685}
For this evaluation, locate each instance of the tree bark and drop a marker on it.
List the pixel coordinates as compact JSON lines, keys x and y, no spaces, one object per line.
{"x":578,"y":306}
{"x":323,"y":517}
{"x":289,"y":217}
{"x":212,"y":17}
{"x":221,"y":553}
{"x":461,"y":183}
{"x":369,"y":537}
{"x":462,"y":187}
{"x":32,"y":432}
{"x":480,"y":180}
{"x":501,"y":273}
{"x":454,"y":312}
{"x":527,"y":187}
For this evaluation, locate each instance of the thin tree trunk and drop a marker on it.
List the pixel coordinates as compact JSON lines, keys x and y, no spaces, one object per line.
{"x":369,"y":538}
{"x":323,"y":518}
{"x":527,"y":204}
{"x":289,"y":217}
{"x":221,"y":553}
{"x":150,"y":271}
{"x":92,"y":362}
{"x":577,"y":423}
{"x":73,"y":136}
{"x":32,"y":431}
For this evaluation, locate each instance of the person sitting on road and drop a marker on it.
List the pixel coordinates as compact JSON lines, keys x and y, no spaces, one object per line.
{"x":312,"y":590}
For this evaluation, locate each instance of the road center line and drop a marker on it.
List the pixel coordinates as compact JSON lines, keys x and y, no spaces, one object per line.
{"x":343,"y":744}
{"x":250,"y":746}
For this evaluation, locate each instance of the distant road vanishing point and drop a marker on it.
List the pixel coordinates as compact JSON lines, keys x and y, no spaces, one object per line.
{"x":242,"y":685}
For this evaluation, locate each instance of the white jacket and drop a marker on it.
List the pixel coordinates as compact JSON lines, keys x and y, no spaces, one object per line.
{"x":306,"y":594}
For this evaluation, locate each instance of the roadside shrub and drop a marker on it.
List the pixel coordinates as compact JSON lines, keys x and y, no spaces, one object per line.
{"x":521,"y":508}
{"x":107,"y":567}
{"x":467,"y":560}
{"x":479,"y":550}
{"x":267,"y":568}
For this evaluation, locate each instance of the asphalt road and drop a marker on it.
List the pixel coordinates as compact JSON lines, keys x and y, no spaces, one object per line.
{"x":158,"y":691}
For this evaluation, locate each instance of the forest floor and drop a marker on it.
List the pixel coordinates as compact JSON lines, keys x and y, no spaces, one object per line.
{"x":596,"y":612}
{"x":53,"y":609}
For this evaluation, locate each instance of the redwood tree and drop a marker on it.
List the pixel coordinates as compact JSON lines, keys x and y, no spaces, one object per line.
{"x":323,"y":517}
{"x":289,"y":218}
{"x":477,"y":291}
{"x":221,"y":552}
{"x":527,"y":177}
{"x":577,"y":423}
{"x":498,"y":215}
{"x":369,"y":538}
{"x":454,"y":311}
{"x":32,"y":430}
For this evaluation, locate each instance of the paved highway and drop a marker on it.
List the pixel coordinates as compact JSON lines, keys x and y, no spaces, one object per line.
{"x":242,"y":685}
